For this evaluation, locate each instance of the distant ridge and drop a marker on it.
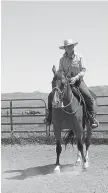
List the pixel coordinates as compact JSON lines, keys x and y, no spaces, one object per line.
{"x":21,"y":95}
{"x":97,"y":90}
{"x":100,"y":90}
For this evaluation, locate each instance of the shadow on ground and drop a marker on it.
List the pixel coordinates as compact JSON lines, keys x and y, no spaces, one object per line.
{"x":37,"y":171}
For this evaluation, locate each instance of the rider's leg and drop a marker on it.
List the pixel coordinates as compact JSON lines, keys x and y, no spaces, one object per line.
{"x":89,"y":102}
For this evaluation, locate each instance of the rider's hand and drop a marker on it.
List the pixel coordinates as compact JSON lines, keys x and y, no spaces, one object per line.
{"x":73,"y":80}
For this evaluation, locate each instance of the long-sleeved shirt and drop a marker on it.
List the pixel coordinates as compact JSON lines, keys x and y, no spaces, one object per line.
{"x":72,"y":66}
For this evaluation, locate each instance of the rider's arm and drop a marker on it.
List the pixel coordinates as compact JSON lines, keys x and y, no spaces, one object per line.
{"x":82,"y":69}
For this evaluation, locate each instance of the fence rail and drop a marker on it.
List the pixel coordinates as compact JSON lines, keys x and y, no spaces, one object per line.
{"x":102,"y":110}
{"x":11,"y":115}
{"x":102,"y":114}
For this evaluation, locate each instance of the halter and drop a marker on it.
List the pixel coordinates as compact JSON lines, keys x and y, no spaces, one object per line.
{"x":62,"y":92}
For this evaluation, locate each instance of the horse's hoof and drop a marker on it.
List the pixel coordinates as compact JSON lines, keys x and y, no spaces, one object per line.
{"x":78,"y":162}
{"x":85,"y":165}
{"x":57,"y":169}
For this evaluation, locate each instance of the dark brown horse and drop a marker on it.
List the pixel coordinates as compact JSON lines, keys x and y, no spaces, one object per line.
{"x":67,"y":113}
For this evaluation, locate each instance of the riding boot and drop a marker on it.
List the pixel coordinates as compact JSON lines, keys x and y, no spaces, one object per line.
{"x":93,"y":122}
{"x":48,"y":119}
{"x":89,"y":100}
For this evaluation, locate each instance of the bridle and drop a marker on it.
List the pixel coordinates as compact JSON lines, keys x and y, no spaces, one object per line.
{"x":62,"y":94}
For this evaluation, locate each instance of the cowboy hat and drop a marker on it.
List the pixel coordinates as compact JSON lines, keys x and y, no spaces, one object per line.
{"x":68,"y":43}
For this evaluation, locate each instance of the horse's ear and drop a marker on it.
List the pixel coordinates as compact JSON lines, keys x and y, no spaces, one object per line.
{"x":54,"y":70}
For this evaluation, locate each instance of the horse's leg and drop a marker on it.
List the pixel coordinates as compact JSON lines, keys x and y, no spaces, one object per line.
{"x":57,"y":132}
{"x":58,"y":152}
{"x":79,"y":137}
{"x":87,"y":142}
{"x":78,"y":161}
{"x":80,"y":148}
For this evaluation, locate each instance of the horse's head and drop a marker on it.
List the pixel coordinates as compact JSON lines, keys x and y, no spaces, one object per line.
{"x":59,"y":88}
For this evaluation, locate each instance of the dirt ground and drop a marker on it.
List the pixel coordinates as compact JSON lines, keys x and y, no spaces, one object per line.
{"x":29,"y":169}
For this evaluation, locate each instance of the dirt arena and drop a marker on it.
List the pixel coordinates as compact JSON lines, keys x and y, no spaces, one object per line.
{"x":29,"y":169}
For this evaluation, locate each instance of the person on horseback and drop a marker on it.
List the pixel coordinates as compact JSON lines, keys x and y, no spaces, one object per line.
{"x":72,"y":63}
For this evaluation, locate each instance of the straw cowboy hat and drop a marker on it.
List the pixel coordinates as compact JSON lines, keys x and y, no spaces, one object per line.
{"x":68,"y":43}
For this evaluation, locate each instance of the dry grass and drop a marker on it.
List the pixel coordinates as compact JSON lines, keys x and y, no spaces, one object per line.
{"x":42,"y":138}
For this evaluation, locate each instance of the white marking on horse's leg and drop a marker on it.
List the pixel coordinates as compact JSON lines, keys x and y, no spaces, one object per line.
{"x":85,"y":165}
{"x":78,"y":157}
{"x":57,"y":168}
{"x":87,"y":160}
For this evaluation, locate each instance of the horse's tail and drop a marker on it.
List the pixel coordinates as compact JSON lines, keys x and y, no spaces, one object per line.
{"x":69,"y":138}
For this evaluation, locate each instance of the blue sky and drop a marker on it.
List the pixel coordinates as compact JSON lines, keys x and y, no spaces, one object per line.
{"x":31,"y":33}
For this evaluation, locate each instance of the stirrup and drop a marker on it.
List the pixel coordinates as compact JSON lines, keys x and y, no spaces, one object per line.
{"x":95,"y":124}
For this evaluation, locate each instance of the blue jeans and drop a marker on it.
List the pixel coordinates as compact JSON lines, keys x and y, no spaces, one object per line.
{"x":89,"y":100}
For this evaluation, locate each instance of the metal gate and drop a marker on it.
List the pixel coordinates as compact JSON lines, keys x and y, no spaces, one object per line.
{"x":10,"y":115}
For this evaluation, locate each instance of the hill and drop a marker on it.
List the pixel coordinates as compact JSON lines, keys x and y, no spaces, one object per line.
{"x":97,"y":90}
{"x":20,"y":95}
{"x":100,"y":90}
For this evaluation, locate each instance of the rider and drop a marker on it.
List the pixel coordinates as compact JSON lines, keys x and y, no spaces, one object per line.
{"x":73,"y":63}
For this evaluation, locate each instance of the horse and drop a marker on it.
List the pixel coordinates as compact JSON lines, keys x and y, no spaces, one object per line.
{"x":67,"y":113}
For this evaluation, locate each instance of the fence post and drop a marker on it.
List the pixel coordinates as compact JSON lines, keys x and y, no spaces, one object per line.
{"x":45,"y":118}
{"x":11,"y":117}
{"x":49,"y":130}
